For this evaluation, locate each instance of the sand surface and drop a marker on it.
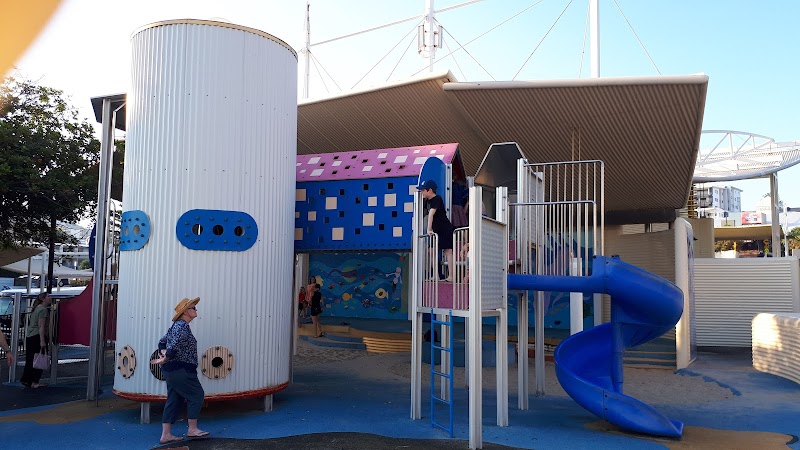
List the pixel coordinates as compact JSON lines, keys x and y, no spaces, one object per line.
{"x":654,"y":386}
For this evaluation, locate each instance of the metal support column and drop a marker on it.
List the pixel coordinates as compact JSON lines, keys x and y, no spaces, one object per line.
{"x":775,"y":243}
{"x":12,"y":370}
{"x":144,"y":412}
{"x":103,"y":196}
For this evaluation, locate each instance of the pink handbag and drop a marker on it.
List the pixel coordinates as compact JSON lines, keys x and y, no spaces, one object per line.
{"x":41,"y":361}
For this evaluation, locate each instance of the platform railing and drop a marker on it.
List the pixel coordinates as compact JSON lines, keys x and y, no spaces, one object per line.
{"x":430,"y":270}
{"x":460,"y":268}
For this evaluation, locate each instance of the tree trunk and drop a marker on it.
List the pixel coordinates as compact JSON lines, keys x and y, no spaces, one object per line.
{"x":51,"y":257}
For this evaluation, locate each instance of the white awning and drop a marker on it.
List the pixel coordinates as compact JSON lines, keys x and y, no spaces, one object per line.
{"x":59,"y":271}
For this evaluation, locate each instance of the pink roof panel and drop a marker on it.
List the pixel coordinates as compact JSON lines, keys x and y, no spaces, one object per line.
{"x":364,"y":164}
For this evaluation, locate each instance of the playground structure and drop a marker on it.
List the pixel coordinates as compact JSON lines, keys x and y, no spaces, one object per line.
{"x":558,"y":236}
{"x":488,"y":264}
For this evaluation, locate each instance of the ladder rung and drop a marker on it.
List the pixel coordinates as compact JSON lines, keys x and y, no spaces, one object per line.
{"x":440,"y":400}
{"x":447,"y":349}
{"x":442,"y":374}
{"x":438,"y":322}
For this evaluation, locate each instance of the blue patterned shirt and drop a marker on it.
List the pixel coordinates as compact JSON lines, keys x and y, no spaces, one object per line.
{"x":181,"y":347}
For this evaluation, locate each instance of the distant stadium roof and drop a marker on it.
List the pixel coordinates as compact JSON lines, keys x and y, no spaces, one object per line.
{"x":735,"y":155}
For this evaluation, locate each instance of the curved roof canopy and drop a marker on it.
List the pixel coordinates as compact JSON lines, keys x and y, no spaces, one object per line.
{"x":735,"y":155}
{"x":645,"y":129}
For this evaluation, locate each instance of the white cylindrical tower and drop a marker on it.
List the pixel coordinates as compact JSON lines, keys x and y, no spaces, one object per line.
{"x":209,"y":192}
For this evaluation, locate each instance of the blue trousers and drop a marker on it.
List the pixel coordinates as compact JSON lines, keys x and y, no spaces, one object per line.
{"x":182,"y":385}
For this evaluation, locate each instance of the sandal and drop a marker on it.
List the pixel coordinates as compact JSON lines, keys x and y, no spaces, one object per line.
{"x":200,"y":434}
{"x":170,"y":441}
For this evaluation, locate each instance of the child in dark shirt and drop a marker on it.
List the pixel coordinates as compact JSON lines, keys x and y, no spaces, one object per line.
{"x":438,"y":222}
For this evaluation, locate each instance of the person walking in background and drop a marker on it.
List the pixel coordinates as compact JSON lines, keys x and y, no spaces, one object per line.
{"x":438,"y":223}
{"x":178,"y":360}
{"x":6,"y":348}
{"x":35,"y":339}
{"x":317,"y":305}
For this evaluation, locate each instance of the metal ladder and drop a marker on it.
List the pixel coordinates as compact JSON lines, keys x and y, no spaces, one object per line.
{"x":448,"y":376}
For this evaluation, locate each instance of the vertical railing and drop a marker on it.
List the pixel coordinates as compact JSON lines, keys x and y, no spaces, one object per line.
{"x":460,"y":267}
{"x":560,"y":225}
{"x":430,"y":270}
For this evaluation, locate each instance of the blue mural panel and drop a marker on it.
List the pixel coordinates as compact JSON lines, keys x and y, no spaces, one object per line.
{"x":370,"y":285}
{"x":134,"y":233}
{"x":361,"y":215}
{"x":213,"y":229}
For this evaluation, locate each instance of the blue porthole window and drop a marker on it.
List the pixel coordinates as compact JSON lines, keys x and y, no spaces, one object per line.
{"x":134,"y":230}
{"x":216,"y":230}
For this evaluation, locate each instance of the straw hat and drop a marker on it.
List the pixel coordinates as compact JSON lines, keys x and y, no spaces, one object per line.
{"x":183,"y":305}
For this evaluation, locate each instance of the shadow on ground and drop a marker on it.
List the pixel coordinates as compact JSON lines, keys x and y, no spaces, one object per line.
{"x":331,"y":441}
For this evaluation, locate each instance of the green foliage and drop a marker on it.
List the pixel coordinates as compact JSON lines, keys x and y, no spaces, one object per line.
{"x":46,"y":153}
{"x":794,"y":238}
{"x":84,"y":265}
{"x":721,"y":246}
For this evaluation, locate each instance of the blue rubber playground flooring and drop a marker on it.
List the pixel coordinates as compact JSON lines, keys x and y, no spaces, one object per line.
{"x":334,"y":406}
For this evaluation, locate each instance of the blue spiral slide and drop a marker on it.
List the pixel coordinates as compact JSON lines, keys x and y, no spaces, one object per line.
{"x":644,"y":306}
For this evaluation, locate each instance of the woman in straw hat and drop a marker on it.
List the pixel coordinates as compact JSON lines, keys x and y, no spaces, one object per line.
{"x":178,"y":349}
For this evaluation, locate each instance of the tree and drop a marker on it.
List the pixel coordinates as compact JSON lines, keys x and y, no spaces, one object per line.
{"x":46,"y":153}
{"x":794,"y":238}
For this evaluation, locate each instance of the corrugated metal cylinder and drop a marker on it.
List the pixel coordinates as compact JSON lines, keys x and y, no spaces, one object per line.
{"x":212,"y":125}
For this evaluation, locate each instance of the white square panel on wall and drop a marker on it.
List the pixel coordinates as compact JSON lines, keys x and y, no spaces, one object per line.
{"x":368,"y":220}
{"x":297,"y":214}
{"x":397,"y":231}
{"x":312,"y":216}
{"x":390,"y":200}
{"x":330,"y":202}
{"x":408,"y":207}
{"x":299,"y":195}
{"x":298,"y":234}
{"x":372,"y":201}
{"x":412,"y":189}
{"x":337,"y":234}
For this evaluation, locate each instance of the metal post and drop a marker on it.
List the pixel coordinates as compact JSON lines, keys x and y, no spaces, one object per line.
{"x":307,"y":50}
{"x":96,"y":346}
{"x":775,"y":244}
{"x":785,"y":230}
{"x":144,"y":412}
{"x":268,"y":403}
{"x":12,"y":370}
{"x":474,"y":330}
{"x":430,"y":42}
{"x":53,"y":344}
{"x":576,"y":302}
{"x":594,"y":25}
{"x":417,"y":269}
{"x":30,"y":276}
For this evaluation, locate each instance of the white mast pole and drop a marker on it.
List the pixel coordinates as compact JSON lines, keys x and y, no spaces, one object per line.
{"x":307,"y":49}
{"x":430,"y":41}
{"x":594,"y":24}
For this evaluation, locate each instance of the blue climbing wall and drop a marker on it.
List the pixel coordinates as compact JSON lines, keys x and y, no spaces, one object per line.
{"x":364,"y":214}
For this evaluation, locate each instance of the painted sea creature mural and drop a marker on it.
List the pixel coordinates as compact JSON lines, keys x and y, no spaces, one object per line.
{"x":368,"y":285}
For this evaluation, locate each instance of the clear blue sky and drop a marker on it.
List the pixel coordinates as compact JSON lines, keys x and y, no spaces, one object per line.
{"x":750,"y":50}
